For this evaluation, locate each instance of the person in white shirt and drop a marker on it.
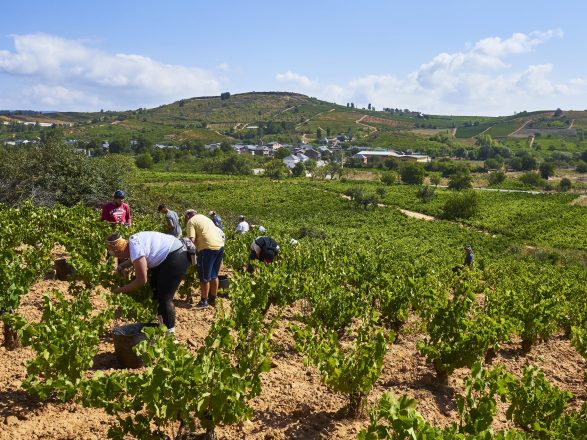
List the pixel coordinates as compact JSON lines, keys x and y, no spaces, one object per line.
{"x":160,"y":256}
{"x":242,"y":227}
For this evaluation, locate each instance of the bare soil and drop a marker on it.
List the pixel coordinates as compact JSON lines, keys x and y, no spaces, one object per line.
{"x":293,"y":403}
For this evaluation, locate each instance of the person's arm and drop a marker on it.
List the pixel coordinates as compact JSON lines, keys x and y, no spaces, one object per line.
{"x":170,"y":226}
{"x":140,"y":280}
{"x":127,"y":207}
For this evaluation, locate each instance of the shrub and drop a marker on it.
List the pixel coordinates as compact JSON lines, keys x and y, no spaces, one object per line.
{"x":460,"y":181}
{"x":496,"y":178}
{"x":582,"y":167}
{"x":53,"y":172}
{"x":425,"y":193}
{"x":144,"y":161}
{"x":461,"y":205}
{"x":412,"y":174}
{"x":276,"y":169}
{"x":564,"y":185}
{"x":531,"y":179}
{"x":299,"y":170}
{"x":388,"y":178}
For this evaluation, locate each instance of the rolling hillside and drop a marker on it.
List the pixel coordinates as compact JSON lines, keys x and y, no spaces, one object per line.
{"x":293,"y":118}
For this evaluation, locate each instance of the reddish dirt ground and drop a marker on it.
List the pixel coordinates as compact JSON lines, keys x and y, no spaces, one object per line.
{"x":293,"y":403}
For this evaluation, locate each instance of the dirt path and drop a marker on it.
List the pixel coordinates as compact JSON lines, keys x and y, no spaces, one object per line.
{"x":369,"y":127}
{"x":417,"y":215}
{"x":520,"y":127}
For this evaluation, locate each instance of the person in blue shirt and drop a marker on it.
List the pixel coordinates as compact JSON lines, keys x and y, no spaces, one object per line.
{"x":469,"y":257}
{"x":216,"y":219}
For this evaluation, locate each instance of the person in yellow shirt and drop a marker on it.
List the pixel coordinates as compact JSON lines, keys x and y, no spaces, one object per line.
{"x":210,"y":249}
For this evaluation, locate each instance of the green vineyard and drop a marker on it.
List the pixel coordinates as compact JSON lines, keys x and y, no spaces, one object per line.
{"x":360,"y":317}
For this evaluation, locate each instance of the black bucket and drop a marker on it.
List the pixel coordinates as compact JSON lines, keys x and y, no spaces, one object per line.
{"x":223,"y":282}
{"x":63,"y":269}
{"x":125,"y":338}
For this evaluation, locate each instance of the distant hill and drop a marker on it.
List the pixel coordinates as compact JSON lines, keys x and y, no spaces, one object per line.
{"x":293,"y":117}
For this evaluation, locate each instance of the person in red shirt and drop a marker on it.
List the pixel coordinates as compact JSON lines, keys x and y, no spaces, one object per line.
{"x":117,"y":212}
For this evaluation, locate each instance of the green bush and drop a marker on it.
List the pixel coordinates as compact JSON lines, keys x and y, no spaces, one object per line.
{"x":53,"y":172}
{"x":460,"y":181}
{"x":425,"y":193}
{"x":496,"y":178}
{"x":564,"y":185}
{"x":412,"y":174}
{"x":388,"y":178}
{"x":461,"y":205}
{"x":144,"y":161}
{"x":532,"y":179}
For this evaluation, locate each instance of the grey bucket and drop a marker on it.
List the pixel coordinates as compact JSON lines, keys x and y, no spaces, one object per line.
{"x":125,"y":337}
{"x":223,"y":282}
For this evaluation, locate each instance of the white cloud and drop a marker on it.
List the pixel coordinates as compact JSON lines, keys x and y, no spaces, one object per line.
{"x":59,"y":64}
{"x":474,"y":81}
{"x":296,"y":78}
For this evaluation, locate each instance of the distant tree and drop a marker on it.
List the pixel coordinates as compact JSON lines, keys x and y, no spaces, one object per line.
{"x":226,"y":147}
{"x":492,"y":164}
{"x":425,"y":193}
{"x":391,"y":163}
{"x":435,"y":179}
{"x":546,"y":170}
{"x":318,"y":133}
{"x":310,"y":165}
{"x":328,"y":131}
{"x":496,"y":177}
{"x":276,"y":169}
{"x":369,"y":106}
{"x":144,"y":161}
{"x":224,"y":96}
{"x":299,"y":169}
{"x":119,"y":145}
{"x":564,"y":185}
{"x":282,"y":153}
{"x":412,"y":174}
{"x":557,"y":113}
{"x":334,"y":169}
{"x":388,"y":178}
{"x":583,"y":156}
{"x":235,"y":164}
{"x":531,"y":178}
{"x":582,"y":167}
{"x":460,"y":181}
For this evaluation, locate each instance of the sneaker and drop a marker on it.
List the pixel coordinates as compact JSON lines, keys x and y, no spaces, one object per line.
{"x":212,"y":300}
{"x":203,"y":304}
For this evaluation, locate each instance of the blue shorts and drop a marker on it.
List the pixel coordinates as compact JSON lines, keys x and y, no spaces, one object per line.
{"x":209,"y":262}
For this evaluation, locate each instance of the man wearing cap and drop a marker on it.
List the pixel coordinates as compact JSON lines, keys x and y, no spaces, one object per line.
{"x":210,"y":249}
{"x":215,"y":218}
{"x":171,"y":226}
{"x":117,"y":212}
{"x":264,"y":249}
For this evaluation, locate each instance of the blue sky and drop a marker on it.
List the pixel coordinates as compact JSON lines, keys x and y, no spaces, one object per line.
{"x":450,"y":57}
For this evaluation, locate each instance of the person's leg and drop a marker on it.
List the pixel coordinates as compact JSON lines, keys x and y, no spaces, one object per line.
{"x":215,"y":269}
{"x":170,"y":274}
{"x":205,"y":262}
